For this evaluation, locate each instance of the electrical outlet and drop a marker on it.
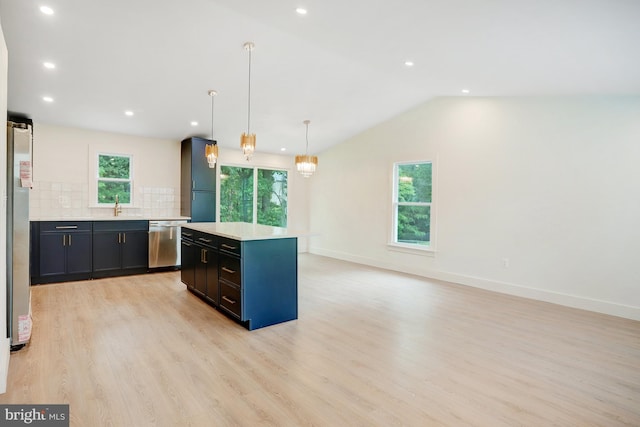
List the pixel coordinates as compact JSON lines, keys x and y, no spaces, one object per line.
{"x":505,"y":262}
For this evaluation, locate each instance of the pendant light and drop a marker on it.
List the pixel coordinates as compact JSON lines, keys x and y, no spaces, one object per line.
{"x":248,"y":140}
{"x":211,"y":150}
{"x":306,"y":164}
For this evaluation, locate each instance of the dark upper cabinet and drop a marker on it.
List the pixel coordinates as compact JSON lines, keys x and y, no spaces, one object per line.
{"x":197,"y":181}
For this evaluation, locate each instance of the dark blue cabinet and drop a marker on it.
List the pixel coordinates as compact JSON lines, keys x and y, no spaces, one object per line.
{"x":197,"y":182}
{"x":257,"y":280}
{"x":188,"y":256}
{"x":120,"y":248}
{"x":200,"y":273}
{"x":62,"y":252}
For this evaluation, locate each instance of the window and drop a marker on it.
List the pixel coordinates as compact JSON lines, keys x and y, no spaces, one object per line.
{"x":412,"y":203}
{"x":240,"y":202}
{"x":114,"y":179}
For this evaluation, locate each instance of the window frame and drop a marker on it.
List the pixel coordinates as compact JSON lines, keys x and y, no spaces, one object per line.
{"x":393,"y":243}
{"x":255,"y":188}
{"x":98,"y":179}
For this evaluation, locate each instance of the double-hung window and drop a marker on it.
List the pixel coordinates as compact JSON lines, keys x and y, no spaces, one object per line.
{"x":114,"y":179}
{"x":412,"y":204}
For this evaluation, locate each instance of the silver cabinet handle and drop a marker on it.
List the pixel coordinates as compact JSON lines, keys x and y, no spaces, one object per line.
{"x":228,"y":270}
{"x":229,"y":247}
{"x":119,"y":237}
{"x":64,"y":240}
{"x":202,"y":239}
{"x":204,"y":256}
{"x":193,"y":186}
{"x":124,"y":237}
{"x":66,"y":227}
{"x":186,"y":244}
{"x":69,"y":239}
{"x":229,"y":300}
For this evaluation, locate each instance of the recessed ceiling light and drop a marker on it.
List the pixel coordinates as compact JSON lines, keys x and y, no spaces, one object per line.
{"x":46,"y":10}
{"x":49,"y":65}
{"x":408,"y":63}
{"x":301,"y":11}
{"x":465,"y":91}
{"x":128,"y":113}
{"x":283,"y":149}
{"x":47,"y":99}
{"x":194,"y":123}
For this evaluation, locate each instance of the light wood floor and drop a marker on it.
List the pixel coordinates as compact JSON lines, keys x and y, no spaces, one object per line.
{"x":371,"y":348}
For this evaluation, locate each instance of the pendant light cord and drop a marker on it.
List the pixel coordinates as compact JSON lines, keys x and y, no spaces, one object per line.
{"x":249,"y":97}
{"x":307,"y":137}
{"x":212,"y":106}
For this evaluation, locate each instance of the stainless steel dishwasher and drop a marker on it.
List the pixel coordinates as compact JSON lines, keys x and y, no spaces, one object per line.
{"x":164,"y":243}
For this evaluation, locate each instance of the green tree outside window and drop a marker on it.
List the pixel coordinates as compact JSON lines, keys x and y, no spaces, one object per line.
{"x":413,"y":203}
{"x":237,"y":195}
{"x":114,"y":178}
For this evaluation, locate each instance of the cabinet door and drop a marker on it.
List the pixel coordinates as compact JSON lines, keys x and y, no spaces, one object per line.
{"x":135,"y":249}
{"x":52,"y":254}
{"x":79,"y":253}
{"x":203,"y":206}
{"x":212,"y":276}
{"x":188,"y":267}
{"x":106,"y":251}
{"x":201,"y":269}
{"x":202,"y":175}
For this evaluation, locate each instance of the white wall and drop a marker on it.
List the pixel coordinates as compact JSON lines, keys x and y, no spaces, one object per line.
{"x":4,"y":341}
{"x":549,"y":183}
{"x":64,"y":170}
{"x":64,"y":166}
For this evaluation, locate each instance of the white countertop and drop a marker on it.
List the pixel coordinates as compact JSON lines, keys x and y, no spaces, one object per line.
{"x":243,"y":230}
{"x":114,"y":218}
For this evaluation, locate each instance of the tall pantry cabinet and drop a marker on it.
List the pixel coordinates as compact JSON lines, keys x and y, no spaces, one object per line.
{"x":197,"y":182}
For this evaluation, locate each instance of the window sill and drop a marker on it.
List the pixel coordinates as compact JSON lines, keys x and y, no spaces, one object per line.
{"x":412,"y":249}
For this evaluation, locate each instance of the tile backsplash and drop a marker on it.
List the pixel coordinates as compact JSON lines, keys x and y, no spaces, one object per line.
{"x":71,"y":200}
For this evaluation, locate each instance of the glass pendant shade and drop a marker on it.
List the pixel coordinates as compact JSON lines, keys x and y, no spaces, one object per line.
{"x":211,"y":152}
{"x":306,"y":165}
{"x":248,"y":144}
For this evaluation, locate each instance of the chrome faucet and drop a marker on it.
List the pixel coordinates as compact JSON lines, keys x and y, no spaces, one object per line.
{"x":117,"y":209}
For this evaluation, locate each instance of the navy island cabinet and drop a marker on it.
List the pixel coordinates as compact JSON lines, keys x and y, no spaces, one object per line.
{"x":257,"y":272}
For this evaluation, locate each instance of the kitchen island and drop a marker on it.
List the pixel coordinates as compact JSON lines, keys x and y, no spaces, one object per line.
{"x":247,"y":271}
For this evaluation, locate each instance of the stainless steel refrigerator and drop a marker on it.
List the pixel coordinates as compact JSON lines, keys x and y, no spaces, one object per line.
{"x":19,"y":182}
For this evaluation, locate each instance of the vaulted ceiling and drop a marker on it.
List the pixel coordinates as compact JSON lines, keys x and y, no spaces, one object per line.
{"x":341,"y":65}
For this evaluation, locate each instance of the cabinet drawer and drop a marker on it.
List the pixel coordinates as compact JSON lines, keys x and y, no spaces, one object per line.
{"x":186,"y":234}
{"x":65,"y":226}
{"x":121,"y":225}
{"x":205,"y":239}
{"x":230,"y":298}
{"x":230,"y":269}
{"x":231,"y":246}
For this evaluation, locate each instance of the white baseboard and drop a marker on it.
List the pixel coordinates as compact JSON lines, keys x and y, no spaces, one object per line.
{"x":574,"y":301}
{"x":5,"y":353}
